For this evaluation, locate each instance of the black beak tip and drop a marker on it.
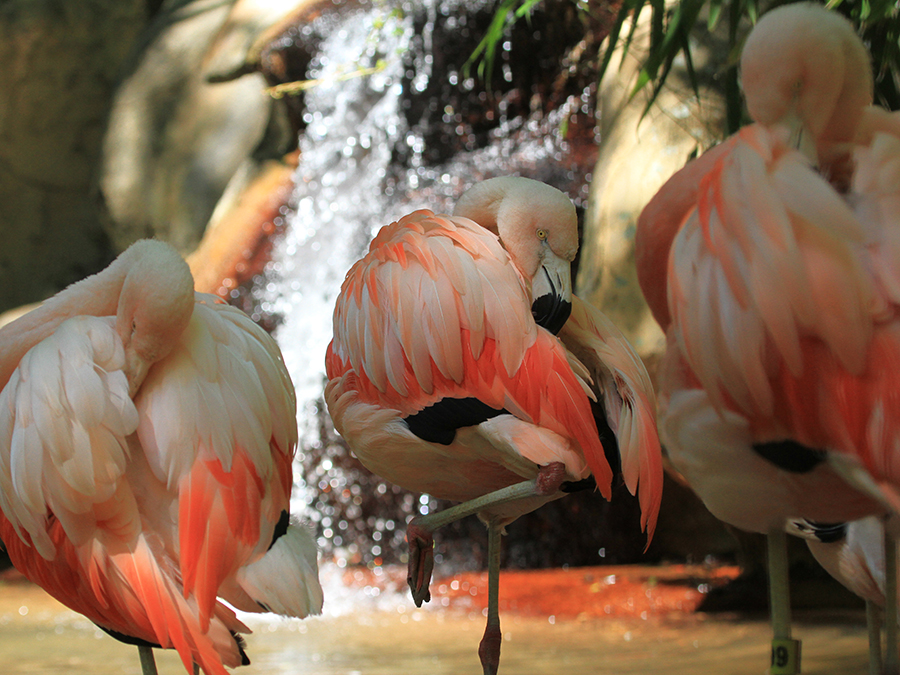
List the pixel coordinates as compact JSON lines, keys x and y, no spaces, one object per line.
{"x":551,"y":312}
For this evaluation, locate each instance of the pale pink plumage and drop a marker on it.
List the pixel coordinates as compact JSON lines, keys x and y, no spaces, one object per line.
{"x":146,"y":438}
{"x":437,"y":321}
{"x":855,"y":558}
{"x":770,"y":262}
{"x":771,"y":283}
{"x":439,"y":309}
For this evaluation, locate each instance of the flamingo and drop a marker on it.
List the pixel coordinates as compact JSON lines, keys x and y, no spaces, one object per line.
{"x":445,"y":375}
{"x":146,"y":438}
{"x":770,"y":263}
{"x":854,"y":553}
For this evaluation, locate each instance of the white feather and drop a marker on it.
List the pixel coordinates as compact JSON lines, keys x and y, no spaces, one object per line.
{"x":285,"y":579}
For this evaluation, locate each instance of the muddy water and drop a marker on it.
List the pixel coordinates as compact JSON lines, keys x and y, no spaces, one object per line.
{"x":377,"y":631}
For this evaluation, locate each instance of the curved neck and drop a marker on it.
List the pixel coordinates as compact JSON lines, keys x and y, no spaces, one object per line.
{"x":805,"y":65}
{"x":100,"y":295}
{"x":97,"y":295}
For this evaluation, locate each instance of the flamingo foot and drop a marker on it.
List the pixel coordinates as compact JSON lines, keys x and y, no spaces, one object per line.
{"x":421,"y":562}
{"x":489,"y":649}
{"x":550,"y":477}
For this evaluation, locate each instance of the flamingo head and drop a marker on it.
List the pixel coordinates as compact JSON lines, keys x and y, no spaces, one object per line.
{"x":538,"y":227}
{"x":155,"y":305}
{"x":805,"y":66}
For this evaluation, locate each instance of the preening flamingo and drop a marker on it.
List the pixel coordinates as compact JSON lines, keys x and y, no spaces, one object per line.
{"x":445,"y":375}
{"x":770,"y":262}
{"x":146,"y":439}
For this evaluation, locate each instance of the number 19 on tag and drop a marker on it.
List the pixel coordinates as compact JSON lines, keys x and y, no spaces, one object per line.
{"x":785,"y":657}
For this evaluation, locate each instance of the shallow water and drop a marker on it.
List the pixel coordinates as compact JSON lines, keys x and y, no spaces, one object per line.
{"x":369,"y":637}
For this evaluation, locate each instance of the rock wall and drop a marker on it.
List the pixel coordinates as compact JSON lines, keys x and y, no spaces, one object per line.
{"x":638,"y":153}
{"x":186,"y":118}
{"x":61,"y":60}
{"x":122,"y":119}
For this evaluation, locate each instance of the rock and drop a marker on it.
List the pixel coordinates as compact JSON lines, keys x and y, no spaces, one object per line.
{"x":61,"y":60}
{"x":637,"y":154}
{"x":236,"y":244}
{"x":180,"y":131}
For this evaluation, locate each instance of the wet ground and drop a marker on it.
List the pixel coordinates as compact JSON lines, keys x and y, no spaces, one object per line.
{"x":577,"y":621}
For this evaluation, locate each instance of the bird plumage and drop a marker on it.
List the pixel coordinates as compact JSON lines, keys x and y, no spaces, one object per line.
{"x":445,"y":374}
{"x":760,"y":267}
{"x":141,"y":511}
{"x":438,"y":310}
{"x":768,"y":262}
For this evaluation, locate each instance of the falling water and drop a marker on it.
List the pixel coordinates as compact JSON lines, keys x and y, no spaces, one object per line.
{"x":388,"y":133}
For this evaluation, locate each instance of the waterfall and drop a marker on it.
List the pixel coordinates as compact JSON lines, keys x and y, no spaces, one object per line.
{"x":353,"y":123}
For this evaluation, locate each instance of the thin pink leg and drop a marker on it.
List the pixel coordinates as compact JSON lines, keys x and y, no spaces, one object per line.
{"x":489,"y":649}
{"x":419,"y":530}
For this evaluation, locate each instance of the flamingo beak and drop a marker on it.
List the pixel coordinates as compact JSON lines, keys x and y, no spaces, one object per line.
{"x":551,"y":289}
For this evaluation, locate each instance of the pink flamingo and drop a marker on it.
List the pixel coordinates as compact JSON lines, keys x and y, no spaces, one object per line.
{"x":771,"y":265}
{"x":854,"y":554}
{"x":445,"y":375}
{"x":146,"y":438}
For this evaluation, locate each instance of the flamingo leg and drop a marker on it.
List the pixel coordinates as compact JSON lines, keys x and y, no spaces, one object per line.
{"x":873,"y":623}
{"x":891,"y":655}
{"x":785,"y":650}
{"x":489,"y":649}
{"x":420,"y":529}
{"x":148,"y":662}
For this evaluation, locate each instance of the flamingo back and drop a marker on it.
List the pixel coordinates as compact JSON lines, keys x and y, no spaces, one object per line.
{"x":436,"y":310}
{"x":771,"y":254}
{"x":218,"y":425}
{"x":144,"y":512}
{"x":64,"y":416}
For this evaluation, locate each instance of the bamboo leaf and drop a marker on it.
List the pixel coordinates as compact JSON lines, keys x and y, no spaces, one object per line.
{"x":484,"y":52}
{"x":639,"y":7}
{"x":752,"y":8}
{"x":643,"y":78}
{"x":715,"y":11}
{"x":612,"y":41}
{"x":689,"y":63}
{"x":526,"y":8}
{"x":657,"y":16}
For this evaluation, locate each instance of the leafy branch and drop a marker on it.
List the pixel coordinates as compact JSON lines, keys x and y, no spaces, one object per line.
{"x":670,"y":30}
{"x":878,"y":22}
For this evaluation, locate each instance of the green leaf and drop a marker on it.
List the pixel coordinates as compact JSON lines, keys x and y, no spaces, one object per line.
{"x":612,"y":40}
{"x":715,"y":11}
{"x":643,"y":78}
{"x":526,"y":8}
{"x":485,"y":51}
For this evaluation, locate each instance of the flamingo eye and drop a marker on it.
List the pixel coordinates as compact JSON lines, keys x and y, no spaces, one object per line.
{"x":542,"y":234}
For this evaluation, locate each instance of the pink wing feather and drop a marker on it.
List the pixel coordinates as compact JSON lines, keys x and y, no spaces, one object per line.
{"x":783,"y":295}
{"x":213,"y":423}
{"x":218,"y":425}
{"x":64,"y":416}
{"x":630,"y":403}
{"x":770,"y":255}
